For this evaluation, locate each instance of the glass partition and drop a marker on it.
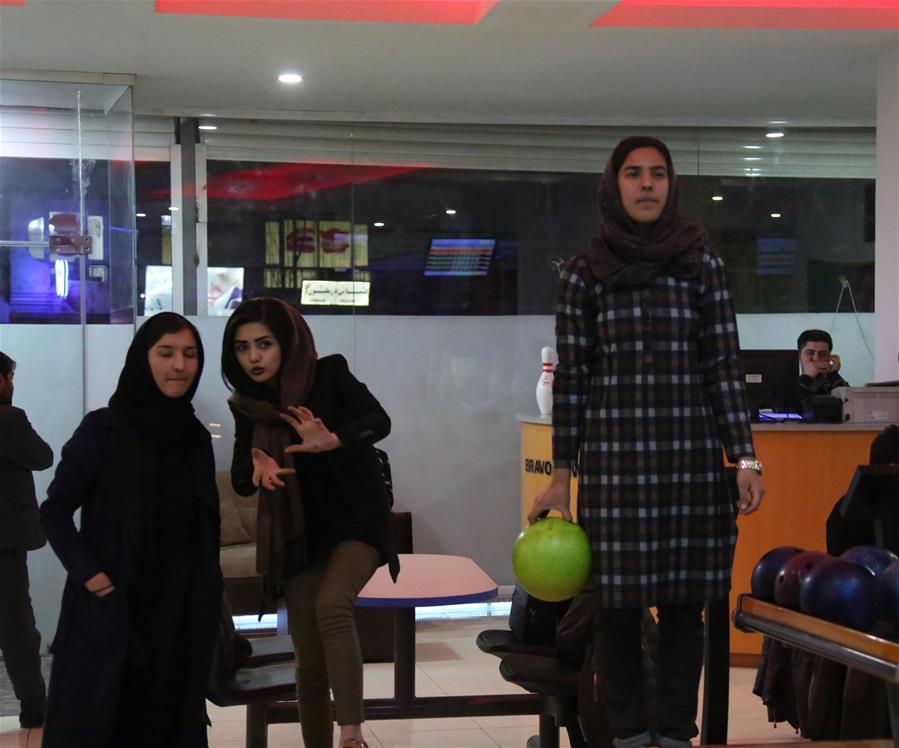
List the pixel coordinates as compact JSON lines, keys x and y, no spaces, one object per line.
{"x":66,"y":259}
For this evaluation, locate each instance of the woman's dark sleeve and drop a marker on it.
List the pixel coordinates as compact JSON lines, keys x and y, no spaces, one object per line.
{"x":242,"y":460}
{"x":73,"y":486}
{"x":366,"y":422}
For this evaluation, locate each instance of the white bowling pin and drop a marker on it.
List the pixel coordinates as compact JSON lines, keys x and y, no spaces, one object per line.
{"x":545,"y":383}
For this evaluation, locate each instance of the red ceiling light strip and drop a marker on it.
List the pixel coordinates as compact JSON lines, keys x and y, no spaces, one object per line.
{"x":12,"y":2}
{"x":456,"y":12}
{"x":758,"y":14}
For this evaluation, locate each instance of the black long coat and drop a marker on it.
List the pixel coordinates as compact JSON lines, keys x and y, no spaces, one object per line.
{"x":100,"y":473}
{"x":21,"y":451}
{"x":343,"y":490}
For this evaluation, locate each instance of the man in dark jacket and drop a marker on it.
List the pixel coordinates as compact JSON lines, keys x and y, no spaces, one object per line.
{"x":21,"y":451}
{"x":819,"y":364}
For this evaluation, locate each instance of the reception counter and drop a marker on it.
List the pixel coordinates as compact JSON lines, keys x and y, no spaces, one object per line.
{"x":807,"y":468}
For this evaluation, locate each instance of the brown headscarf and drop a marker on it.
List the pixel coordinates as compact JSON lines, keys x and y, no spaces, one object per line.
{"x":281,"y":545}
{"x":620,"y":255}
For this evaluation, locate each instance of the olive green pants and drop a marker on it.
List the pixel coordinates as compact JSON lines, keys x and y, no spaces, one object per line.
{"x":320,"y":618}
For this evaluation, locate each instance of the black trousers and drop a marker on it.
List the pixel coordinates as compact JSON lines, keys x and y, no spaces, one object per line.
{"x":619,"y":648}
{"x":20,"y":641}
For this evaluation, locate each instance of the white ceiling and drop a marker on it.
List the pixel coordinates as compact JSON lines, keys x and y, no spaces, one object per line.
{"x":527,"y":61}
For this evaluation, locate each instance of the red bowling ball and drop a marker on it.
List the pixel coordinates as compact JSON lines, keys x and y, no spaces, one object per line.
{"x":792,"y":574}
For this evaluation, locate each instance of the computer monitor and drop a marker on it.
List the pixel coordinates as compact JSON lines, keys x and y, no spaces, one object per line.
{"x":772,"y":383}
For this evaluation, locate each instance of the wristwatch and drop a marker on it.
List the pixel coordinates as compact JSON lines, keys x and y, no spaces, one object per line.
{"x":748,"y":463}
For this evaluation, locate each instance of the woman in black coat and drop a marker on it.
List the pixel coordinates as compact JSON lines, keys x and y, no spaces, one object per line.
{"x":140,"y":608}
{"x":324,"y":520}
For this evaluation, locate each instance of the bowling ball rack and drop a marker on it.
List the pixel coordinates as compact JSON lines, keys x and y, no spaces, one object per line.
{"x":870,"y":654}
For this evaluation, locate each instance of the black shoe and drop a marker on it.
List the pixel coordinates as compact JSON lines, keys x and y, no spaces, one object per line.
{"x":28,"y":720}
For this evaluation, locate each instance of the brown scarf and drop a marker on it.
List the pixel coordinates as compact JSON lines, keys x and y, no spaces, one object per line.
{"x":620,"y":255}
{"x":281,"y":545}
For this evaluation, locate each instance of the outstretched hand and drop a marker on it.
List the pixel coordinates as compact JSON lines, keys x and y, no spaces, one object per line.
{"x":266,"y":472}
{"x":315,"y":435}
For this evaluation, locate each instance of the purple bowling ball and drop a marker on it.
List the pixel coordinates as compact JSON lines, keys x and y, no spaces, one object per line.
{"x":842,"y":592}
{"x":888,"y":581}
{"x":766,"y":570}
{"x":874,"y":559}
{"x":791,"y":575}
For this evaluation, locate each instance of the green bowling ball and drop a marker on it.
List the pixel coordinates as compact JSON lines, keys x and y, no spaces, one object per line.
{"x":551,"y":559}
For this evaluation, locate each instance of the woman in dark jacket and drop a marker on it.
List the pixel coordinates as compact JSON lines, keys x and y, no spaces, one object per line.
{"x":324,"y":520}
{"x":141,"y":602}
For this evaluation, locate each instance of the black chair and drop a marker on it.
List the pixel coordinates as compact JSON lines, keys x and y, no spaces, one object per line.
{"x":540,"y":671}
{"x":255,"y":686}
{"x":268,"y":650}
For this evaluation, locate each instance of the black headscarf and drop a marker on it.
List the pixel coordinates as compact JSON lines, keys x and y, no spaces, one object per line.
{"x":623,"y":256}
{"x":138,"y":399}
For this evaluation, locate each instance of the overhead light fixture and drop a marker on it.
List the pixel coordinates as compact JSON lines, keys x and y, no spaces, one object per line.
{"x":378,"y":224}
{"x":777,"y":122}
{"x":450,"y":212}
{"x":290,"y":78}
{"x":140,"y":215}
{"x":775,"y":215}
{"x":207,"y":127}
{"x":752,"y":147}
{"x":717,"y":198}
{"x":774,"y":134}
{"x":752,"y":158}
{"x":173,"y":207}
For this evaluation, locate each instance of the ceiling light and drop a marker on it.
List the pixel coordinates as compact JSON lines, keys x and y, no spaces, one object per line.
{"x":173,"y":207}
{"x":208,"y":127}
{"x":752,"y":158}
{"x":752,"y":147}
{"x":775,"y":215}
{"x":717,"y":198}
{"x":378,"y":224}
{"x":777,"y":122}
{"x":140,"y":215}
{"x":290,"y":77}
{"x":450,"y":212}
{"x":774,"y":134}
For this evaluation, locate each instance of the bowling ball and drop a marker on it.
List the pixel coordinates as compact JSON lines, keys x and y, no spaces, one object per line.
{"x":765,"y":572}
{"x":888,"y":581}
{"x":842,"y":592}
{"x":791,"y":574}
{"x":551,"y":559}
{"x":874,"y":559}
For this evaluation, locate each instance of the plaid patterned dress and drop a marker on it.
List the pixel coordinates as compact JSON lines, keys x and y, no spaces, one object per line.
{"x":647,"y":390}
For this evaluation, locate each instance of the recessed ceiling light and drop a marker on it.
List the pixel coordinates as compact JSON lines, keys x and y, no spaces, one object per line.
{"x":173,"y":207}
{"x":777,"y":122}
{"x":752,"y":147}
{"x":140,"y":215}
{"x":378,"y":224}
{"x":717,"y":198}
{"x":207,"y":127}
{"x":774,"y":134}
{"x":775,"y":215}
{"x":290,"y":78}
{"x":752,"y":158}
{"x":450,"y":212}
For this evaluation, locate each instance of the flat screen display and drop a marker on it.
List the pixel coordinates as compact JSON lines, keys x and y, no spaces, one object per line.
{"x":772,"y":383}
{"x":462,"y":257}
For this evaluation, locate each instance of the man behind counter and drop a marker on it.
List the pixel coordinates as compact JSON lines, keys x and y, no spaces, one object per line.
{"x":820,"y":366}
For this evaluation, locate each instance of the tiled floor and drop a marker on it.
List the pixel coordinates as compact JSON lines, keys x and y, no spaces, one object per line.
{"x":450,"y":663}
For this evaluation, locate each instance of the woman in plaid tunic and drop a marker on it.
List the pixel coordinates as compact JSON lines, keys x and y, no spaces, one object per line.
{"x":647,"y":391}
